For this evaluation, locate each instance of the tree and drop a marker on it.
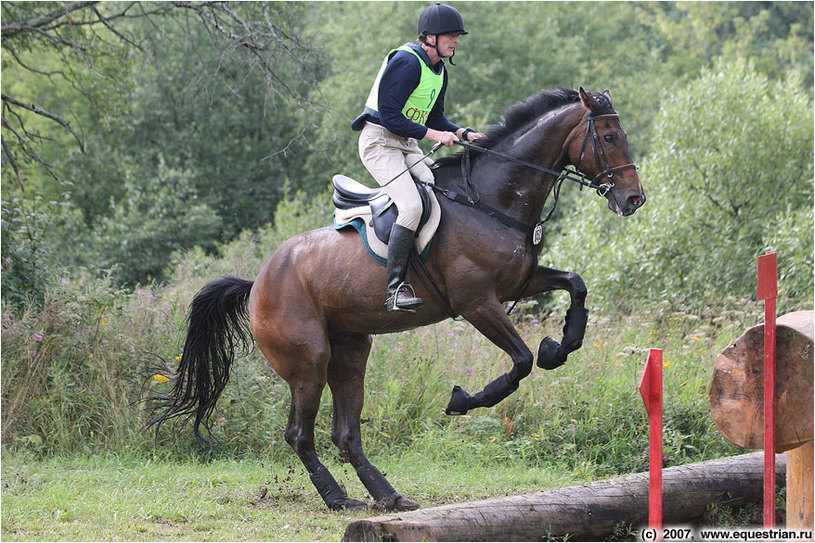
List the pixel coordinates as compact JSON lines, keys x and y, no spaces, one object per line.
{"x":101,"y":99}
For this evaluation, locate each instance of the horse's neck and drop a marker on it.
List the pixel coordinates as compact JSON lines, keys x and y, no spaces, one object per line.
{"x":518,"y":190}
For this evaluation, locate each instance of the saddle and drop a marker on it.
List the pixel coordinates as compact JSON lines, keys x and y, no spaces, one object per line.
{"x":372,"y":213}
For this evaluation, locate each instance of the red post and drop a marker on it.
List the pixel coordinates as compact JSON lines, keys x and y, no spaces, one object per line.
{"x":651,"y":391}
{"x":767,"y":290}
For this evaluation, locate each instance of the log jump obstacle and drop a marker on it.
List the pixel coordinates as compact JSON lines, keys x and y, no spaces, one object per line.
{"x":593,"y":511}
{"x":585,"y":513}
{"x":768,"y":401}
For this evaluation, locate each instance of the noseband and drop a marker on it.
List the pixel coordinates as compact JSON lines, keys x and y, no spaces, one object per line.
{"x":600,"y":157}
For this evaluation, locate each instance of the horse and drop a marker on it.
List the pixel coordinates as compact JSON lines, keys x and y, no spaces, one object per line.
{"x":314,"y":307}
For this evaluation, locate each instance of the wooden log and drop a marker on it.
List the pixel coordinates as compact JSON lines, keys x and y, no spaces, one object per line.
{"x":799,"y":487}
{"x":736,"y":393}
{"x":586,"y":512}
{"x":737,"y":396}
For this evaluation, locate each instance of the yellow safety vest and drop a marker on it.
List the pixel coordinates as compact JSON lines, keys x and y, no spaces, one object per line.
{"x":424,"y":96}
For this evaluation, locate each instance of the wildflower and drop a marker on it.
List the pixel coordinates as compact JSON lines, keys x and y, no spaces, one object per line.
{"x":160,"y":378}
{"x":469,"y":368}
{"x":666,"y":364}
{"x":597,"y":345}
{"x":178,"y":358}
{"x":90,"y":356}
{"x":695,"y":338}
{"x":103,"y":322}
{"x":37,"y":336}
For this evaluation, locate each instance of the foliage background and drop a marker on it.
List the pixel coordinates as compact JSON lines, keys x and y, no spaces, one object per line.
{"x":195,"y":162}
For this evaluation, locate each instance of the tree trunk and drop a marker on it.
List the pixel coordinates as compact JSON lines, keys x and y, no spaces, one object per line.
{"x":586,"y":512}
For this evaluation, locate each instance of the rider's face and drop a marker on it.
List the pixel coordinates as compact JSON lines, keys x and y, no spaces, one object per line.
{"x":446,"y":44}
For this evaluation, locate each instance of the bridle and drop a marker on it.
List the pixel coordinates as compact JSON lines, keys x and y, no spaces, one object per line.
{"x":600,"y":155}
{"x":573,"y":174}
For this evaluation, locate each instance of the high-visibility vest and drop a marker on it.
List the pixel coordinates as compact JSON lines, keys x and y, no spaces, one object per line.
{"x":423,"y":97}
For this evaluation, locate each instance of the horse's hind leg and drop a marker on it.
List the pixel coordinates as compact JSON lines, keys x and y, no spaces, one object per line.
{"x":299,"y":353}
{"x":346,"y":377}
{"x":300,"y":435}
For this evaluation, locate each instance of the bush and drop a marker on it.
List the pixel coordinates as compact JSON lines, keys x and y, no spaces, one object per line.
{"x":30,"y":244}
{"x":149,"y":224}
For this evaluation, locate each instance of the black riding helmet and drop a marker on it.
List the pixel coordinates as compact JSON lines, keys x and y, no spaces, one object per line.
{"x":440,"y":19}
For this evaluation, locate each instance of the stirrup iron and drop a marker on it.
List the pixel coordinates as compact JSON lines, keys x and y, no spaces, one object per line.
{"x":408,"y":305}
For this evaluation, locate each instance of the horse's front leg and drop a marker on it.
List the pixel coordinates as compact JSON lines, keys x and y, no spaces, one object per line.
{"x":551,"y":352}
{"x":490,"y":320}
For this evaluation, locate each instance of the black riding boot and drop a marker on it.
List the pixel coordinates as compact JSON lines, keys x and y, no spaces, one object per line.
{"x":400,"y":247}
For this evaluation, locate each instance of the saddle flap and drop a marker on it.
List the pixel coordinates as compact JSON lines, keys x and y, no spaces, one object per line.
{"x":349,"y":193}
{"x":384,"y":214}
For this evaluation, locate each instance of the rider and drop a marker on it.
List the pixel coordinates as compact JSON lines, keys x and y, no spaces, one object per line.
{"x":406,"y":104}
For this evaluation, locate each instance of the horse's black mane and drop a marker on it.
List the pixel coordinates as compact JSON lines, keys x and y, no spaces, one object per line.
{"x":520,"y":114}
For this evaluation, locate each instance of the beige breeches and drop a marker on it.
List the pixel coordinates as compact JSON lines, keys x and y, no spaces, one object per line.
{"x":385,"y":155}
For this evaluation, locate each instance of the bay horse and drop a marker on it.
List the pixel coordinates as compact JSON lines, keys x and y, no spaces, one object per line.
{"x":315,"y":305}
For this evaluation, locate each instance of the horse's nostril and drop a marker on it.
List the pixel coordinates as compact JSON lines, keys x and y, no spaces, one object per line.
{"x":636,"y":200}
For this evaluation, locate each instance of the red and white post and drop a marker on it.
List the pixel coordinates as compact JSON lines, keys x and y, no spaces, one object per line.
{"x":651,"y":391}
{"x":767,"y":290}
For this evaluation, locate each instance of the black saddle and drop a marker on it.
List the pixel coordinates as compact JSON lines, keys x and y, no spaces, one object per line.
{"x":351,"y":194}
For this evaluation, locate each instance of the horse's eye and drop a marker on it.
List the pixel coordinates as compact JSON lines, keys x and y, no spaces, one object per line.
{"x":609,"y":138}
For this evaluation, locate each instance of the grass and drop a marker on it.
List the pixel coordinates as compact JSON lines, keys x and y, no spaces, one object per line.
{"x":124,"y":498}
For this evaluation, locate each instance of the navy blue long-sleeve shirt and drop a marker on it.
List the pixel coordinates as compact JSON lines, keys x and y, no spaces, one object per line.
{"x":400,"y":78}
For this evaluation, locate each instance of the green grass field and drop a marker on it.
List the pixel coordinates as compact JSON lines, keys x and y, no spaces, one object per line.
{"x":117,"y":498}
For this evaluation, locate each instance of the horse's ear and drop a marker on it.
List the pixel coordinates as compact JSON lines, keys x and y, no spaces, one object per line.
{"x":588,"y":100}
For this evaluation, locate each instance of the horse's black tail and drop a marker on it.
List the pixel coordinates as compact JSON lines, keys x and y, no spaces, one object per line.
{"x":217,"y":323}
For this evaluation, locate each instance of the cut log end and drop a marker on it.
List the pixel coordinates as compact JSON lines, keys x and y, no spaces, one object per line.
{"x":737,"y":389}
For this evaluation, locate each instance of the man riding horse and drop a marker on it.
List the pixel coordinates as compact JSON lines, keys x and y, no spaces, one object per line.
{"x":406,"y":104}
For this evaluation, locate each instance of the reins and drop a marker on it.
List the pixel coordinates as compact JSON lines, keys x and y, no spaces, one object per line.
{"x":572,"y":174}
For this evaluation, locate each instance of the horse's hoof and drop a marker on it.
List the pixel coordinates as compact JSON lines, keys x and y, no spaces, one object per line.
{"x":348,"y":504}
{"x":547,"y":354}
{"x":395,"y":503}
{"x":404,"y":504}
{"x":460,"y":402}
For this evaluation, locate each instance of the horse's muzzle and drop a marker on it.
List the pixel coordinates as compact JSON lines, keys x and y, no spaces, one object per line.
{"x":627,"y":206}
